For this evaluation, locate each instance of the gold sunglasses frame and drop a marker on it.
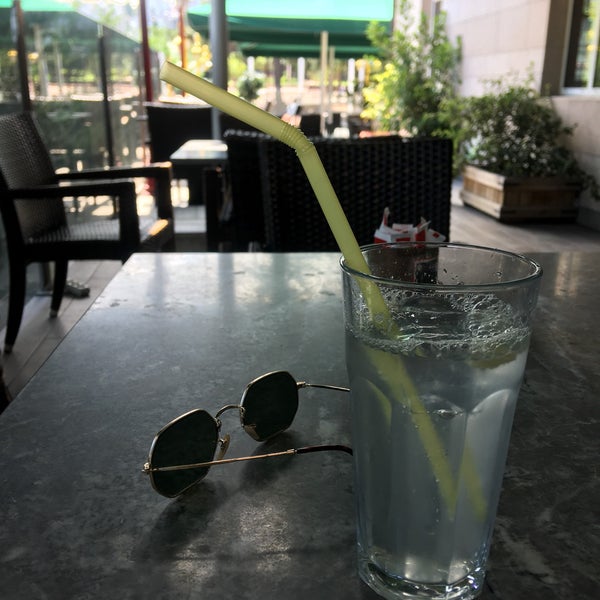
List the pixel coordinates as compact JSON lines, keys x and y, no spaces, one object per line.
{"x":223,"y":442}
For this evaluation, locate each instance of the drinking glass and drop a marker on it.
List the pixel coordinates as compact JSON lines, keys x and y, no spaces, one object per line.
{"x":436,"y":344}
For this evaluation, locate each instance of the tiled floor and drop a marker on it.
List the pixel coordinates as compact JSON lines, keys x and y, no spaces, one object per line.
{"x":40,"y":335}
{"x":471,"y":226}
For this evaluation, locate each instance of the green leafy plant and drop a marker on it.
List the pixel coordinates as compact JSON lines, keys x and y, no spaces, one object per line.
{"x":514,"y":131}
{"x":248,"y":86}
{"x":421,"y":70}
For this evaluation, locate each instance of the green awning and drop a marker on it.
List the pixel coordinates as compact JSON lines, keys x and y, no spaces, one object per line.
{"x":274,"y":23}
{"x":304,"y":50}
{"x":66,"y":23}
{"x":40,"y":5}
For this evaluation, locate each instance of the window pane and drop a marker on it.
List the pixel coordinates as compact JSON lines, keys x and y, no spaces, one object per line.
{"x":582,"y":61}
{"x":597,"y":70}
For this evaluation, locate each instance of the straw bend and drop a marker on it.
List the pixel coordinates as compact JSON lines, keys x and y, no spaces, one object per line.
{"x":289,"y":135}
{"x":242,"y":110}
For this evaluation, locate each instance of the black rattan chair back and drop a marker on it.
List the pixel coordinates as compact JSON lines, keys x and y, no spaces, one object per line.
{"x":31,"y":164}
{"x":25,"y":163}
{"x":413,"y":177}
{"x":171,"y":125}
{"x":229,"y":122}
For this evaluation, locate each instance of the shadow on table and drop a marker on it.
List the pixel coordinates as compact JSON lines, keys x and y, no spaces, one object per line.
{"x":183,"y":520}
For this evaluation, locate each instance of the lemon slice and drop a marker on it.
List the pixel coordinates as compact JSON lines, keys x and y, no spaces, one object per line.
{"x":500,"y":355}
{"x":492,"y":362}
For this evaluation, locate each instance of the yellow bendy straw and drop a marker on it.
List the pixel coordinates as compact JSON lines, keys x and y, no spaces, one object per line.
{"x":338,"y":223}
{"x":289,"y":135}
{"x":309,"y":159}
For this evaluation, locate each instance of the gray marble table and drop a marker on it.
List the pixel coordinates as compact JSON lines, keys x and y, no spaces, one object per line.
{"x":174,"y":332}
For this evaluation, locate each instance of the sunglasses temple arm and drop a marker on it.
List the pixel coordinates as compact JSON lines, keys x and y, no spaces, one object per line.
{"x":224,"y":461}
{"x":303,"y":384}
{"x":324,"y":448}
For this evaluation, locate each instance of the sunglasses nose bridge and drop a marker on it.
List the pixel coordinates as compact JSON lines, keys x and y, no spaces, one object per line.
{"x":237,"y":407}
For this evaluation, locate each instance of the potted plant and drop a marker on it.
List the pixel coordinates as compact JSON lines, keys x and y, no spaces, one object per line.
{"x":510,"y":145}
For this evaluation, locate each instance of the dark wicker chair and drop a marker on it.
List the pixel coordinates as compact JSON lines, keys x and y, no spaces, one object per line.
{"x":310,"y":125}
{"x":413,"y":177}
{"x":229,"y":122}
{"x":243,"y":224}
{"x":171,"y":125}
{"x":35,"y":220}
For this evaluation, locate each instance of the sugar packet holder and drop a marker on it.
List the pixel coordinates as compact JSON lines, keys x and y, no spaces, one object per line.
{"x":405,"y":232}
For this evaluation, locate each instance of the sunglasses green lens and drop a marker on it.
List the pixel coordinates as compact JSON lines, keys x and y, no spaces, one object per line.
{"x":191,"y":438}
{"x":270,"y":404}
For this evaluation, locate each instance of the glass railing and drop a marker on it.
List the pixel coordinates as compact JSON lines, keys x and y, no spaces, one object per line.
{"x":85,"y":92}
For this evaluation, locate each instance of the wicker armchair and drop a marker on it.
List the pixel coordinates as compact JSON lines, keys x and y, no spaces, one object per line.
{"x":413,"y":177}
{"x":35,"y":221}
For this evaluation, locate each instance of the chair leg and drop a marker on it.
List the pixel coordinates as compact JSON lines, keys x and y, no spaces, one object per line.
{"x":16,"y":302}
{"x":60,"y":279}
{"x":5,"y":397}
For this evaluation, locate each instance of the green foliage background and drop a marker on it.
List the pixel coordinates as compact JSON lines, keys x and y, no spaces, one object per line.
{"x":421,"y":71}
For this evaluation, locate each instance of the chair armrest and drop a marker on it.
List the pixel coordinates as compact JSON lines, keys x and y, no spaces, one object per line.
{"x":161,"y":172}
{"x":117,"y":187}
{"x":124,"y":189}
{"x":151,"y":170}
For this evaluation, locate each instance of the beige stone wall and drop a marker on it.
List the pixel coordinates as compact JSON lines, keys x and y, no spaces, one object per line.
{"x":584,"y":113}
{"x":501,"y":37}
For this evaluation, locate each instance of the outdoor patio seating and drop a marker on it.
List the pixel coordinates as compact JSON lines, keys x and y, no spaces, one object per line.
{"x":36,"y":224}
{"x":171,"y":125}
{"x":413,"y":177}
{"x":268,"y":202}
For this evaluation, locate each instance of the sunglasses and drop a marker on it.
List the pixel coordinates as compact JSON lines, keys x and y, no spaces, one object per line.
{"x":184,"y":450}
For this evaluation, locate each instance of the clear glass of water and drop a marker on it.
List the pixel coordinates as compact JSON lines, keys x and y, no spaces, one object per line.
{"x":436,"y":344}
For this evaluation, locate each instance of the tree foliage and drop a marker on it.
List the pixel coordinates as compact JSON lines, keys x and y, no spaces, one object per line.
{"x":421,"y":70}
{"x":248,"y":86}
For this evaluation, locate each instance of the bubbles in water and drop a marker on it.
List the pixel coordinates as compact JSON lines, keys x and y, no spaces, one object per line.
{"x":445,"y":413}
{"x":442,"y":408}
{"x":465,"y":326}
